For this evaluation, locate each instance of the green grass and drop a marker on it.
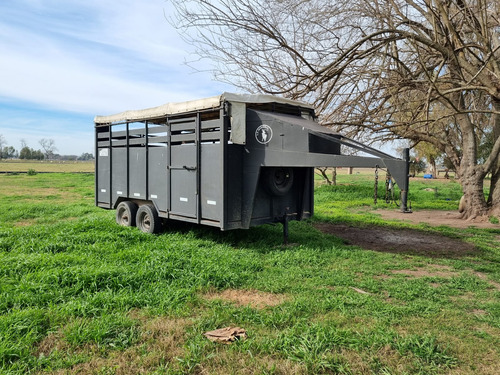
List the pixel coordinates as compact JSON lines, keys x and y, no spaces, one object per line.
{"x":79,"y":294}
{"x":25,"y":166}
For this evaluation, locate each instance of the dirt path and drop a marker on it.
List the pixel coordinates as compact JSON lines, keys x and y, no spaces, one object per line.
{"x":400,"y":241}
{"x":410,"y":241}
{"x":436,"y":218}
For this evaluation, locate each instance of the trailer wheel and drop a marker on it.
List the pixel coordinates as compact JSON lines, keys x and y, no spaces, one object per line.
{"x":279,"y":180}
{"x":125,"y":214}
{"x":147,"y":219}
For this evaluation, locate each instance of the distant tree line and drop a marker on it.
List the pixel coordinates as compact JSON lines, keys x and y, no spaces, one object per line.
{"x":8,"y":152}
{"x":28,"y":153}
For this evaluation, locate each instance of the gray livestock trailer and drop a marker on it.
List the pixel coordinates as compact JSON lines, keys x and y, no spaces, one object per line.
{"x":229,"y":161}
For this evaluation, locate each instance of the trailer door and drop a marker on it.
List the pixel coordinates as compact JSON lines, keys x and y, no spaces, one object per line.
{"x":183,"y":168}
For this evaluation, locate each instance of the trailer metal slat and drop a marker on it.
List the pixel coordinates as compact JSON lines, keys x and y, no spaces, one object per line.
{"x":178,"y":120}
{"x":140,"y":132}
{"x":212,"y":136}
{"x":131,"y":133}
{"x":102,"y":135}
{"x":209,"y":124}
{"x":159,"y":139}
{"x":139,"y":141}
{"x":183,"y":128}
{"x":157,"y":129}
{"x":183,"y":138}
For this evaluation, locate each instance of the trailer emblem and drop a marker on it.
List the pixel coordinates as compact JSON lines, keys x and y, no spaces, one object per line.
{"x":263,"y":134}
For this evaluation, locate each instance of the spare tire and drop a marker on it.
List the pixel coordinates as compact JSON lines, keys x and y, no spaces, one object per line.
{"x":278,"y":180}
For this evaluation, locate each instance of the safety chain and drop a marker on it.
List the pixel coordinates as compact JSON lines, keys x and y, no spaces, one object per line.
{"x":389,"y":193}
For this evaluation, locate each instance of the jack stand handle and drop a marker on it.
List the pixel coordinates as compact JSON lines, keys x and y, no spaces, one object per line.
{"x":285,"y":228}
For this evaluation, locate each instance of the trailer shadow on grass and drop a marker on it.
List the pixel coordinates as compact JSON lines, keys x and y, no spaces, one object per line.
{"x":405,"y":241}
{"x":400,"y":241}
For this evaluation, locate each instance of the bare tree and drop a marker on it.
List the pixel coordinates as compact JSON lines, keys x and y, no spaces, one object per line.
{"x":48,"y":146}
{"x":2,"y":141}
{"x":424,"y":70}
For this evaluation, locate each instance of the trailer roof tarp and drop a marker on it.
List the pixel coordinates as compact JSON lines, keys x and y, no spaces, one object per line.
{"x":193,"y":105}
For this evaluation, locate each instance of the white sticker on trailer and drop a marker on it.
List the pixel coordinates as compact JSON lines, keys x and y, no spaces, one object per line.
{"x":212,"y":203}
{"x":182,"y":199}
{"x":119,"y":192}
{"x":137,"y":194}
{"x":154,"y":196}
{"x":103,"y":190}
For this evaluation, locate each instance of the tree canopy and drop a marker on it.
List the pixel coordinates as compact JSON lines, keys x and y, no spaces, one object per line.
{"x":423,"y":70}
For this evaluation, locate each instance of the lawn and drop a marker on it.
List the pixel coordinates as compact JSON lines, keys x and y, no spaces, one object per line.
{"x":81,"y":295}
{"x":23,"y":166}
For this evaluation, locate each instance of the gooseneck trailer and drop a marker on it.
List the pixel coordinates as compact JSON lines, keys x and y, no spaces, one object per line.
{"x":229,"y":161}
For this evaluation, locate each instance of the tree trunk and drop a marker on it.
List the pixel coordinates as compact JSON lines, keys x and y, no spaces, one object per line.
{"x":334,"y":176}
{"x":323,"y":171}
{"x":472,"y":187}
{"x":471,"y":174}
{"x":494,"y":196}
{"x":432,"y":162}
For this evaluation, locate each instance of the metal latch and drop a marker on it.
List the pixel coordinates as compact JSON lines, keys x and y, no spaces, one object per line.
{"x":189,"y":168}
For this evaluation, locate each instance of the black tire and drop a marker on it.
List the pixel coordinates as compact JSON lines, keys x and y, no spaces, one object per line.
{"x":147,"y":219}
{"x":125,"y":214}
{"x":278,"y":180}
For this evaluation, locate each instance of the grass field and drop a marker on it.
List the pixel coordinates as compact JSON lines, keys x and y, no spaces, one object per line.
{"x":23,"y":166}
{"x":81,"y":295}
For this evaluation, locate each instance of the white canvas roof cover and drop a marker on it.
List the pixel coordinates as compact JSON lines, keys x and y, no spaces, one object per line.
{"x":193,"y":105}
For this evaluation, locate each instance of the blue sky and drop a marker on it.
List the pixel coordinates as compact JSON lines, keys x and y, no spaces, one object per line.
{"x":63,"y":62}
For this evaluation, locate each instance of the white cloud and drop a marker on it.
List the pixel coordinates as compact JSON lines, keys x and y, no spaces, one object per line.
{"x":62,"y":82}
{"x":65,"y":62}
{"x":94,"y":56}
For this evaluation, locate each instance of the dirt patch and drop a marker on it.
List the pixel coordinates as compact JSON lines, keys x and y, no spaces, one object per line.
{"x":482,"y":276}
{"x":479,"y":312}
{"x":437,"y":270}
{"x":24,"y":223}
{"x":433,"y":271}
{"x":399,"y":241}
{"x":53,"y":341}
{"x":437,"y":218}
{"x":166,"y":336}
{"x":253,"y":298}
{"x":161,"y":342}
{"x":226,"y":361}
